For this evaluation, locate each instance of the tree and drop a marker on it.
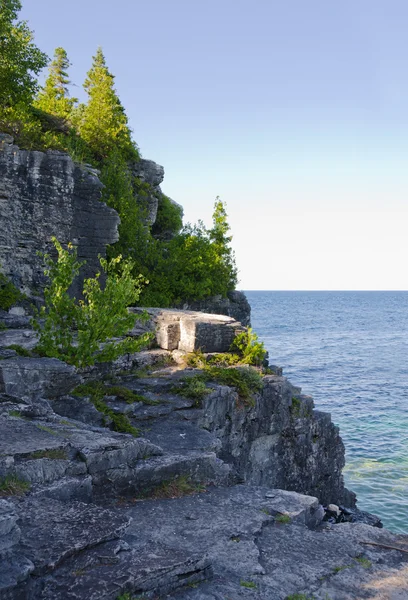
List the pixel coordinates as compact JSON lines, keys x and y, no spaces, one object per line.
{"x":226,"y":266}
{"x":54,"y":96}
{"x":20,"y":59}
{"x":103,"y":123}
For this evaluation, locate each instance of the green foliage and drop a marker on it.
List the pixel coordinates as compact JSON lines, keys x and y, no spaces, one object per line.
{"x":169,"y":218}
{"x":252,"y":351}
{"x":193,"y":388}
{"x":245,"y":380}
{"x":283,"y":519}
{"x":175,"y":488}
{"x":53,"y":454}
{"x":101,"y":315}
{"x":296,"y":407}
{"x":248,"y":584}
{"x":96,"y":391}
{"x":21,"y":351}
{"x":364,"y":562}
{"x":54,"y":96}
{"x":20,"y":59}
{"x":13,"y":486}
{"x":102,"y":122}
{"x":9,"y":294}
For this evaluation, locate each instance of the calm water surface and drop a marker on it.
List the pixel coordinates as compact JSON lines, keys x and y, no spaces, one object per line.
{"x":349,"y":350}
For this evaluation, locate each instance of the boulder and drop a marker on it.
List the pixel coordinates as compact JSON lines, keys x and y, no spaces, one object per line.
{"x":190,"y":330}
{"x":34,"y":378}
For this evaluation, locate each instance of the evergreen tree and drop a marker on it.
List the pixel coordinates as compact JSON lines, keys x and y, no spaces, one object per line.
{"x":20,"y":59}
{"x":103,"y":123}
{"x":221,"y":240}
{"x":54,"y":96}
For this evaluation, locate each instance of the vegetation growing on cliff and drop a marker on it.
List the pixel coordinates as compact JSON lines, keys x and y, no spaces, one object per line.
{"x":73,"y":330}
{"x":181,"y":264}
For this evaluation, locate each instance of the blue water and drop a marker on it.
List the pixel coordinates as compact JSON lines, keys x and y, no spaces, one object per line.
{"x":349,"y":350}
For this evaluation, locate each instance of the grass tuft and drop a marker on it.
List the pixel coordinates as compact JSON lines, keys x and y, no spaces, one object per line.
{"x":13,"y":486}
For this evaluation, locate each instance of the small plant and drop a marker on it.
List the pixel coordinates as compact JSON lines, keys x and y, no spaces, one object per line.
{"x":47,"y":429}
{"x":21,"y":351}
{"x":96,"y":391}
{"x":252,"y":351}
{"x":13,"y":486}
{"x":296,"y":406}
{"x":3,"y":326}
{"x":283,"y":519}
{"x":364,"y":562}
{"x":248,"y":584}
{"x":176,"y":488}
{"x":194,"y":388}
{"x":100,"y":316}
{"x":300,"y":597}
{"x":9,"y":294}
{"x":129,"y":396}
{"x":54,"y":454}
{"x":15,"y":413}
{"x":245,"y":380}
{"x":341,"y":568}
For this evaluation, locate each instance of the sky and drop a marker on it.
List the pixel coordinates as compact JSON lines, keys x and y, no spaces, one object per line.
{"x":295,"y":113}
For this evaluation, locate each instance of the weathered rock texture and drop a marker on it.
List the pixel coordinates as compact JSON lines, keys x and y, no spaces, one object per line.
{"x":44,"y":195}
{"x":189,"y":330}
{"x":235,"y":305}
{"x":152,"y":174}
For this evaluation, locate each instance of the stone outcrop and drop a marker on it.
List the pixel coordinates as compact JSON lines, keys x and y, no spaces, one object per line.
{"x":235,"y":305}
{"x":149,"y":172}
{"x":44,"y":195}
{"x":104,"y":513}
{"x":188,"y":330}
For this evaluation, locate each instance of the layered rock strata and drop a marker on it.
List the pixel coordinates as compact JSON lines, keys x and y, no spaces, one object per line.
{"x":44,"y":195}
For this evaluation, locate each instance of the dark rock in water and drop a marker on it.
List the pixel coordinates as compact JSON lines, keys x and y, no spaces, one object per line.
{"x":44,"y":195}
{"x":354,"y":515}
{"x":351,"y":515}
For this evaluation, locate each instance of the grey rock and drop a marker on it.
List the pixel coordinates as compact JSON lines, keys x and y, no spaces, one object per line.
{"x":27,"y":338}
{"x":103,"y":573}
{"x":75,"y":526}
{"x":45,"y":195}
{"x":235,"y":305}
{"x":9,"y":531}
{"x":36,"y":378}
{"x":189,"y":330}
{"x":276,"y":443}
{"x":14,"y":321}
{"x":153,"y":174}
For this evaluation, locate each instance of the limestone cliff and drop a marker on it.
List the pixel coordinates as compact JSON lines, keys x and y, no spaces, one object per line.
{"x":44,"y":195}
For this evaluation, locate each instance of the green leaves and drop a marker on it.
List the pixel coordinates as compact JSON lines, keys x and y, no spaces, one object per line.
{"x":54,"y":96}
{"x":20,"y":59}
{"x":74,"y":330}
{"x":102,"y":122}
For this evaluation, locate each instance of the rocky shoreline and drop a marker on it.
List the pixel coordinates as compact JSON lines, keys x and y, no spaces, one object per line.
{"x":213,"y":499}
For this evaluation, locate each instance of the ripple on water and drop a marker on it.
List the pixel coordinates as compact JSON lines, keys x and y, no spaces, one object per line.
{"x":349,"y":351}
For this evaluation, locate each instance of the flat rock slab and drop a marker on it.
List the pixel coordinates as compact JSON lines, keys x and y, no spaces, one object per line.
{"x":37,"y":377}
{"x":25,"y":337}
{"x":257,"y":554}
{"x":52,"y":531}
{"x":105,"y":572}
{"x":190,"y":330}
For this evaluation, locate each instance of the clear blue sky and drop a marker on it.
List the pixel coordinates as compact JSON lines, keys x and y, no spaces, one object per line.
{"x":294,"y":112}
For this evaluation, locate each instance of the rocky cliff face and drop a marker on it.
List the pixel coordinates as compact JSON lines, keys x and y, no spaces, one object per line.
{"x":44,"y":195}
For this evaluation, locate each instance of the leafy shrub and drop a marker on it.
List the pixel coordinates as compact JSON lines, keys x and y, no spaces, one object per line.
{"x":252,"y":351}
{"x":168,"y":219}
{"x":101,"y":315}
{"x":194,"y":388}
{"x":9,"y":294}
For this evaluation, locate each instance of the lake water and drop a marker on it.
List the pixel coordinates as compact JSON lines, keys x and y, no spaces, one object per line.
{"x":349,"y":350}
